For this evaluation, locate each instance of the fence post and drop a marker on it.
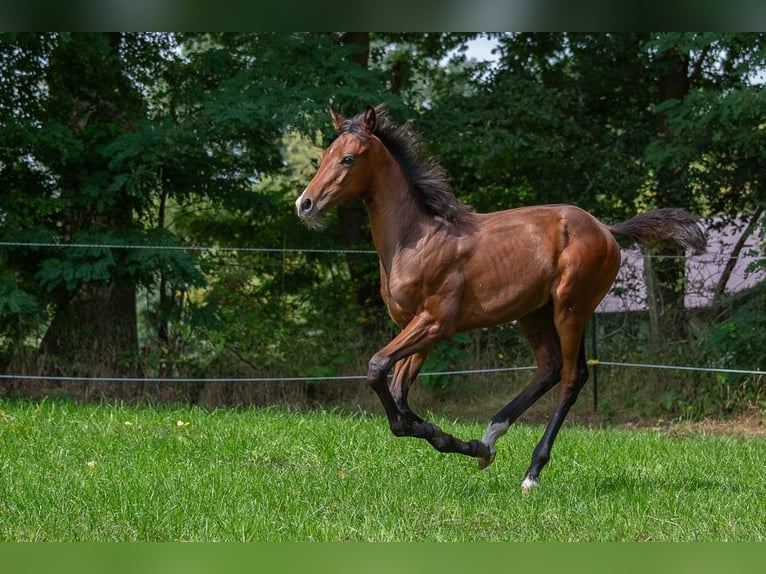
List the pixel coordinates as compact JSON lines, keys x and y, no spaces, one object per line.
{"x":594,"y":360}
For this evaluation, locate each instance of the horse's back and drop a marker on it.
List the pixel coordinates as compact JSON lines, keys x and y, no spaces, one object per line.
{"x":523,"y":258}
{"x":543,"y":233}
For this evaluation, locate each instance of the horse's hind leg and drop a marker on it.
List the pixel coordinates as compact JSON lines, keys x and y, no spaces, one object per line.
{"x":571,"y":314}
{"x":581,"y":286}
{"x":572,"y":380}
{"x":539,"y":330}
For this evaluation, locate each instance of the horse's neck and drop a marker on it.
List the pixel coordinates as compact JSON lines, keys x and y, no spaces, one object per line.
{"x":395,"y":216}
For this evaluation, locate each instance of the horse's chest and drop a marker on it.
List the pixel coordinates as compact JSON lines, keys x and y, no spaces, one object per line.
{"x":413,"y":279}
{"x":408,"y":295}
{"x":402,"y":298}
{"x":404,"y":287}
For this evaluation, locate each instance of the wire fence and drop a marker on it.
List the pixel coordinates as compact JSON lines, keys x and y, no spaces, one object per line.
{"x":594,"y":363}
{"x":627,"y":294}
{"x":705,"y":267}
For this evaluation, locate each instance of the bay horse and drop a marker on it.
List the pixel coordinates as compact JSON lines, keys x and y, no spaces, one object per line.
{"x":445,"y":268}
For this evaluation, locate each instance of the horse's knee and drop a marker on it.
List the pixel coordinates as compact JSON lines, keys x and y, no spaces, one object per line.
{"x":377,"y":369}
{"x":415,"y":427}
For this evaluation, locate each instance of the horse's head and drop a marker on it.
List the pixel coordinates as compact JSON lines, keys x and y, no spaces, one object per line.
{"x":344,"y":170}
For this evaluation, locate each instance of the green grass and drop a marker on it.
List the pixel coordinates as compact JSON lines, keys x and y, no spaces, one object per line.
{"x":71,"y":472}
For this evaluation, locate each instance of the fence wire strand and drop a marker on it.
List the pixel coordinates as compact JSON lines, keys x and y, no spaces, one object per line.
{"x":64,"y":378}
{"x":298,"y":379}
{"x":677,"y":368}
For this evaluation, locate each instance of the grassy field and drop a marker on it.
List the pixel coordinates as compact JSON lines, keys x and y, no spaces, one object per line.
{"x":72,"y":472}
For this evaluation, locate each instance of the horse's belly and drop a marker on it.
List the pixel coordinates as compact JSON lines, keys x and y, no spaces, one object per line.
{"x":487,"y":305}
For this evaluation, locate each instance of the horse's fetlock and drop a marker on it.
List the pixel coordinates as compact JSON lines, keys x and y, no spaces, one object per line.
{"x":399,"y":428}
{"x":442,"y":444}
{"x":428,"y":431}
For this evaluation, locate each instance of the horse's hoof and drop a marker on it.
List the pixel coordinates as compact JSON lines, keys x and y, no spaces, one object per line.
{"x":485,"y":461}
{"x":529,"y":484}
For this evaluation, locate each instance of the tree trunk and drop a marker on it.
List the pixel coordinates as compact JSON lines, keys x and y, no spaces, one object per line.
{"x":666,"y":280}
{"x":651,"y":297}
{"x":93,"y":330}
{"x":94,"y":334}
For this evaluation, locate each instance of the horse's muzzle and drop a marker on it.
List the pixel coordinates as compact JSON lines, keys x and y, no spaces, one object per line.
{"x":304,"y":206}
{"x":309,"y":212}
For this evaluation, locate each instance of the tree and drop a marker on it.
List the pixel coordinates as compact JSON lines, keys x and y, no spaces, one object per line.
{"x":60,"y":129}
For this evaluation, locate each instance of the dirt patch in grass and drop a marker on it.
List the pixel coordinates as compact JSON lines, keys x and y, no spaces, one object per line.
{"x":749,"y":423}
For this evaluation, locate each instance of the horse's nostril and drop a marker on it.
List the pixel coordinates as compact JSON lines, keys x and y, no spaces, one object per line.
{"x":306,"y":205}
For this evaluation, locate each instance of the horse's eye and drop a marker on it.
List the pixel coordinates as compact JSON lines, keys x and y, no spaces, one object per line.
{"x":347,"y":160}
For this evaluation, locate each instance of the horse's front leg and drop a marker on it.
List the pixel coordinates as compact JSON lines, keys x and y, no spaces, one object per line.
{"x":408,"y":352}
{"x":405,"y":372}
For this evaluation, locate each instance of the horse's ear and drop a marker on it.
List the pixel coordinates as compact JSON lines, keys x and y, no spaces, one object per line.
{"x":337,"y":119}
{"x":370,"y":118}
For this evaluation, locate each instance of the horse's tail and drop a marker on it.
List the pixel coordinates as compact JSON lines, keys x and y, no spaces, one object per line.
{"x":663,"y":225}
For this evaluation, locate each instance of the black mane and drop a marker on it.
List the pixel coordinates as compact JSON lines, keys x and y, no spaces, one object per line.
{"x":430,"y":182}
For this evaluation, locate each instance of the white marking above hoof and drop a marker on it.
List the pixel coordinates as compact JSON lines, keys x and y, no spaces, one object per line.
{"x":494,"y":431}
{"x":529,"y":484}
